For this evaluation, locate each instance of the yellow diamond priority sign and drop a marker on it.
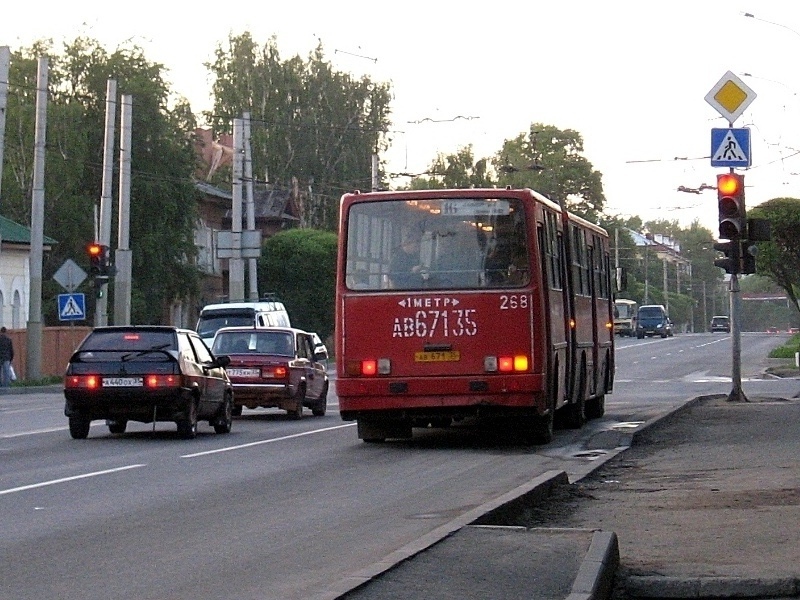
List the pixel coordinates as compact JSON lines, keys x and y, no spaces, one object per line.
{"x":730,"y":96}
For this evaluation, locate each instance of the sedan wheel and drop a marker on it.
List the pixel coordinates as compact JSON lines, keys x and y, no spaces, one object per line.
{"x":299,"y":398}
{"x":322,"y":404}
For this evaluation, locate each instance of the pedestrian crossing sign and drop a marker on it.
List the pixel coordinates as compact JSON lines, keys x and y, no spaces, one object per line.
{"x":730,"y":147}
{"x":71,"y":307}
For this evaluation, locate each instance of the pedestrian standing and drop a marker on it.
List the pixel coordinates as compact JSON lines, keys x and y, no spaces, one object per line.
{"x":6,"y":356}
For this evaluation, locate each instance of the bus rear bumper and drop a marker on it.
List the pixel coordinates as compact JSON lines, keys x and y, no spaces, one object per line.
{"x":468,"y":395}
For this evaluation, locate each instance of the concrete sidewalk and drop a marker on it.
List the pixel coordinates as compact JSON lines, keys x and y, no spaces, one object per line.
{"x":704,"y":504}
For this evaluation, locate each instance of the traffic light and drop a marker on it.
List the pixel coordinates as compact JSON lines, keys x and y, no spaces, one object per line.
{"x":99,"y":261}
{"x":731,"y":261}
{"x":732,"y":216}
{"x":748,"y":252}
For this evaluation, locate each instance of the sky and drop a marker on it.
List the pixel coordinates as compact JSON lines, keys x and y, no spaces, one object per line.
{"x":629,"y":76}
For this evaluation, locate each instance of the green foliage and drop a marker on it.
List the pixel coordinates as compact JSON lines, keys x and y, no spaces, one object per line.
{"x":300,"y":266}
{"x":550,"y":161}
{"x":788,"y":349}
{"x":163,"y":205}
{"x":308,"y":121}
{"x":779,"y":259}
{"x":455,"y":171}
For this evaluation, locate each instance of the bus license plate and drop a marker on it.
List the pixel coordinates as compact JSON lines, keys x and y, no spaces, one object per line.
{"x":122,"y":382}
{"x":447,"y":356}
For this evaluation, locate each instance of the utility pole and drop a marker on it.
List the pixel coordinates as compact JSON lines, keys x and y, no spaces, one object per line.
{"x":104,"y":235}
{"x":252,"y":263}
{"x":5,"y":62}
{"x":123,"y":254}
{"x":34,"y":328}
{"x":235,"y":263}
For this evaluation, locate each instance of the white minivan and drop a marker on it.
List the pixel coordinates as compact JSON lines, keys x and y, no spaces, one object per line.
{"x":264,"y":313}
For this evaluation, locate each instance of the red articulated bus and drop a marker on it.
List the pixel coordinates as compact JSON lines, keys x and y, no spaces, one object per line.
{"x":487,"y":303}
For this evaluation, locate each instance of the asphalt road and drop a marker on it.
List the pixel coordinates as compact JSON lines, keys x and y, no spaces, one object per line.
{"x":281,"y":508}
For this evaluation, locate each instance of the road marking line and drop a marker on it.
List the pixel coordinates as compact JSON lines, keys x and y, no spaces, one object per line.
{"x":260,"y":442}
{"x":66,"y":479}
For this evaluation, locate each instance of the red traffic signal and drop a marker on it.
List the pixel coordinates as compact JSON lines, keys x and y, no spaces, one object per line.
{"x":98,"y":259}
{"x":732,"y":214}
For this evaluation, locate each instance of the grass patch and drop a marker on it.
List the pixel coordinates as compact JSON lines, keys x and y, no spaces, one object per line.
{"x":788,"y":349}
{"x":48,"y":380}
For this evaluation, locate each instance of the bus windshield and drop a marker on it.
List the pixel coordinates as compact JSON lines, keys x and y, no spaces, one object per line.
{"x":437,"y":244}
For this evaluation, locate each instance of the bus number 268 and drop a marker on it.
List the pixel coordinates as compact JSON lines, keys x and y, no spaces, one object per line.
{"x":513,"y":301}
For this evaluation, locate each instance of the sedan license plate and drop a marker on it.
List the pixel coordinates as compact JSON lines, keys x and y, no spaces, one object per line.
{"x":122,"y":382}
{"x":444,"y":356}
{"x":242,"y":372}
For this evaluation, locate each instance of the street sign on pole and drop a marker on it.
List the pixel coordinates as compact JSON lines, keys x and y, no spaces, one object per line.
{"x":730,"y":147}
{"x":69,"y":275}
{"x":71,"y":307}
{"x":730,"y":96}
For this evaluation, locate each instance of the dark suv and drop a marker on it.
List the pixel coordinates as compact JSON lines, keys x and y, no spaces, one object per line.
{"x":148,"y":374}
{"x":720,"y":323}
{"x":652,"y":320}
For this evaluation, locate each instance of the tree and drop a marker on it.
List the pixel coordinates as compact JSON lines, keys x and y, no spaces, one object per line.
{"x":779,"y":258}
{"x":308,"y":121}
{"x":458,"y":170}
{"x":299,"y":265}
{"x":163,"y":196}
{"x":550,"y":161}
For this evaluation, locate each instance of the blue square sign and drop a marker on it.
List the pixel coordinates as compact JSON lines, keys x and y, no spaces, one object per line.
{"x":71,"y":307}
{"x":730,"y":147}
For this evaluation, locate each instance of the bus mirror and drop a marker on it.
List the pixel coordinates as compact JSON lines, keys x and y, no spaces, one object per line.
{"x":622,"y":279}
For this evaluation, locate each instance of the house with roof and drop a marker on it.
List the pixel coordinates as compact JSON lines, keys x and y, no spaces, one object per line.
{"x":275,"y":208}
{"x":15,"y":276}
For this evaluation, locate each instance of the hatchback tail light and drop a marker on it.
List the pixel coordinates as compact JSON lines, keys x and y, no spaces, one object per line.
{"x":82,"y":382}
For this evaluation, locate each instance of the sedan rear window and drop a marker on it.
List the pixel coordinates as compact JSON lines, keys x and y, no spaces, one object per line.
{"x":254,"y":341}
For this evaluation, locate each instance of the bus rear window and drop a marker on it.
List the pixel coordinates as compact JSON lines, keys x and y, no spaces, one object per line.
{"x":443,"y":243}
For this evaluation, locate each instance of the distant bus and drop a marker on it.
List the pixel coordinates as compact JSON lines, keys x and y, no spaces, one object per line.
{"x":625,"y":317}
{"x":503,"y":311}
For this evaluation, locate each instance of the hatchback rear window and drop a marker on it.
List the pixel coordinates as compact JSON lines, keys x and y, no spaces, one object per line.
{"x":129,"y":340}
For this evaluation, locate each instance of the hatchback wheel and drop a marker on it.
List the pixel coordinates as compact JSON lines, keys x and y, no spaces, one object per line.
{"x":187,"y":428}
{"x":79,"y":427}
{"x":224,"y":420}
{"x":117,"y":425}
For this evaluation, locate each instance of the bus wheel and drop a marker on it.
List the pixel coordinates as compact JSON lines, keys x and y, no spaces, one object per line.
{"x":575,"y":413}
{"x":541,"y":429}
{"x":377,"y":430}
{"x":596,"y":407}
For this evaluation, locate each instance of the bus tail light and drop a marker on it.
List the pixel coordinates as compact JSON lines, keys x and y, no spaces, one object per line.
{"x":369,"y":367}
{"x":506,"y":364}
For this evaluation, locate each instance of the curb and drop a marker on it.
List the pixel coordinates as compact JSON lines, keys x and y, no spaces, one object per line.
{"x":596,"y":574}
{"x":535,"y":488}
{"x":655,"y":587}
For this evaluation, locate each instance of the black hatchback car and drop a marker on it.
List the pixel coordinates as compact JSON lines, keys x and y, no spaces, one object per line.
{"x":147,"y":374}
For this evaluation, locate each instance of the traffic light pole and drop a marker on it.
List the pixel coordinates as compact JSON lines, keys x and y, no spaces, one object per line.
{"x":737,"y":393}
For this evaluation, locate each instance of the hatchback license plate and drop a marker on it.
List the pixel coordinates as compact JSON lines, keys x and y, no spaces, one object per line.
{"x":242,"y":372}
{"x":446,"y":356}
{"x":122,"y":382}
